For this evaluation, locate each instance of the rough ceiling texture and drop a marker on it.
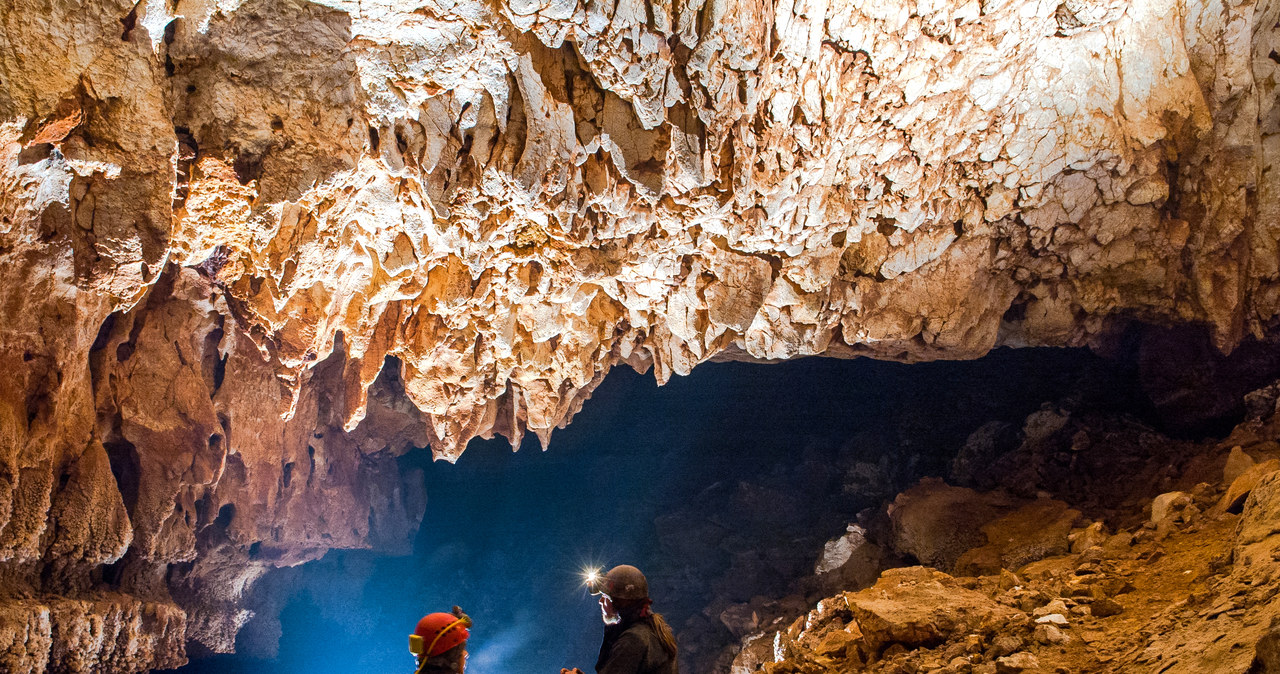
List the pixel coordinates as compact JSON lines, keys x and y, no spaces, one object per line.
{"x":252,"y":250}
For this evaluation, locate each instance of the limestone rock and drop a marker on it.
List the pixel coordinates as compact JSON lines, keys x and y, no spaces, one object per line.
{"x":1037,"y":530}
{"x":937,"y":523}
{"x":1261,"y":510}
{"x":1233,"y":500}
{"x":1169,"y":505}
{"x":917,"y":606}
{"x":1050,"y":634}
{"x":1018,"y":662}
{"x":1237,"y":463}
{"x":1055,"y":606}
{"x":1093,"y":535}
{"x":838,"y":551}
{"x":757,"y":650}
{"x":1105,"y":608}
{"x":252,"y":251}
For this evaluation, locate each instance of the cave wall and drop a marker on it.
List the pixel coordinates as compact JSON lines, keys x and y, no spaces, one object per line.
{"x":253,"y":249}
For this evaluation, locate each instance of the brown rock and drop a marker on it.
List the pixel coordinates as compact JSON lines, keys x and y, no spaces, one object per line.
{"x":1260,"y":517}
{"x":1266,"y":653}
{"x":1233,"y":500}
{"x":838,"y":643}
{"x":1169,"y":505}
{"x":1005,"y":644}
{"x":756,"y":650}
{"x":249,"y":259}
{"x":1237,"y":463}
{"x":1030,"y":533}
{"x":1051,"y":635}
{"x":1018,"y":662}
{"x":1093,"y":535}
{"x":1105,"y":608}
{"x":918,"y":606}
{"x":936,"y":523}
{"x":1264,"y":449}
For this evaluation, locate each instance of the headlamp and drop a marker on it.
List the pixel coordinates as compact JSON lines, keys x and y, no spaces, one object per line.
{"x":594,"y":581}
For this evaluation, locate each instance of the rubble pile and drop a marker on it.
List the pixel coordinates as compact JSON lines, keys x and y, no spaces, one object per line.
{"x":1164,"y":559}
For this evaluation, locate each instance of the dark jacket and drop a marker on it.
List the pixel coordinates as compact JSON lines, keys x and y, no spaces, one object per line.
{"x":634,"y":648}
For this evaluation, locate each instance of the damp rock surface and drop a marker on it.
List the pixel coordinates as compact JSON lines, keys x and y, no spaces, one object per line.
{"x":252,"y":250}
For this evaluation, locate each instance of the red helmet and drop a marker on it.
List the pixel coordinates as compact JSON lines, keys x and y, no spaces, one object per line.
{"x":439,"y":632}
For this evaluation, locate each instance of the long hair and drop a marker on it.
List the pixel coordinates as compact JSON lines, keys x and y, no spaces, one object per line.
{"x":665,"y":635}
{"x":639,"y":610}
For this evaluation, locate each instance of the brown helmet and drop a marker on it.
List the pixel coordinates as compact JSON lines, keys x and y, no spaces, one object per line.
{"x":623,"y":582}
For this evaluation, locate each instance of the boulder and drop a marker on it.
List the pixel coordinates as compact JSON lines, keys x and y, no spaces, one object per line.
{"x":1018,"y":662}
{"x":936,"y":523}
{"x":1266,"y":654}
{"x":1031,"y":533}
{"x":1260,"y":518}
{"x":757,"y":650}
{"x":1055,"y":606}
{"x":1105,"y":608}
{"x":972,"y":465}
{"x":1260,"y":405}
{"x":1051,"y":635}
{"x":740,"y":619}
{"x":1168,"y":505}
{"x":1233,"y":500}
{"x":918,"y":606}
{"x":849,"y":562}
{"x":1005,"y":644}
{"x":1093,"y":535}
{"x":1237,"y":463}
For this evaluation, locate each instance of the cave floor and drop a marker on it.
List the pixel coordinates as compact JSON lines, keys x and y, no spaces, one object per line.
{"x":1181,"y":582}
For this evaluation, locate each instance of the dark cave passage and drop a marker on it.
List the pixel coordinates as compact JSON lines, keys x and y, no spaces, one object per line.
{"x":722,"y":486}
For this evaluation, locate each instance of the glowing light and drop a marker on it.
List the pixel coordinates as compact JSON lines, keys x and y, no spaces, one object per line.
{"x":590,"y":577}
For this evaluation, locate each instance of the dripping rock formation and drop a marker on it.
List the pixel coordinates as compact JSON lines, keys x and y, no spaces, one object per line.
{"x":251,"y":250}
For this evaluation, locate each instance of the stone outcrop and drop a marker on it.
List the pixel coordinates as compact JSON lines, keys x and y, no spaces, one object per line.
{"x":1182,"y":586}
{"x":252,"y":250}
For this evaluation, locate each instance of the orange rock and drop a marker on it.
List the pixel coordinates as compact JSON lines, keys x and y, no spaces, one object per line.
{"x":1037,"y":530}
{"x":1233,"y":500}
{"x":918,"y":606}
{"x":937,"y":523}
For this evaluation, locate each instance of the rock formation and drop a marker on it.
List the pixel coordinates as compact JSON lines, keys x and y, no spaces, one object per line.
{"x":1180,"y":582}
{"x":253,"y":249}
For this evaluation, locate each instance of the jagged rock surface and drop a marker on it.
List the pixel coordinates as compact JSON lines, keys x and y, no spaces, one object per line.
{"x":1183,"y":585}
{"x":253,"y":249}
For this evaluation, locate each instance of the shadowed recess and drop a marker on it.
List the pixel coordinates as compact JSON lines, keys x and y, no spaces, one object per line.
{"x":506,"y":535}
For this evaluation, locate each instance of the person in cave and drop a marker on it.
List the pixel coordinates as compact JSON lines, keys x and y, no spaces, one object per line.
{"x":636,"y":640}
{"x":440,"y":643}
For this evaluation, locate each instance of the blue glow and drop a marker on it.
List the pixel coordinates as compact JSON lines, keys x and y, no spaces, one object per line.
{"x":509,"y":536}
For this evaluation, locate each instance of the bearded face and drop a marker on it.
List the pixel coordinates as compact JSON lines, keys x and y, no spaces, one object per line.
{"x":607,"y":612}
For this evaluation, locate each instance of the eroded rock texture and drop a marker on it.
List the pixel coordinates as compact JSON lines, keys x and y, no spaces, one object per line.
{"x":1134,"y":581}
{"x":254,"y":249}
